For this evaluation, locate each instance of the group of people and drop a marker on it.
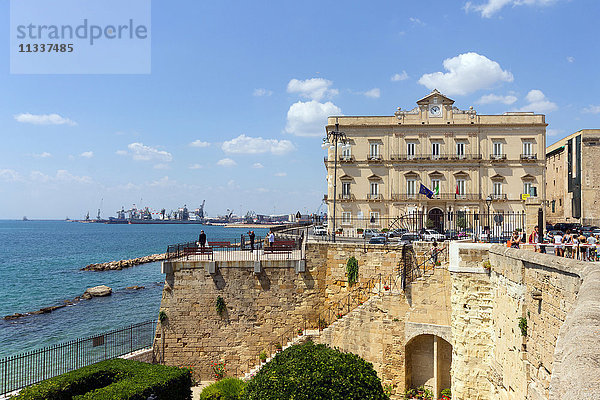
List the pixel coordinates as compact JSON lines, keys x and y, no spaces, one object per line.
{"x":570,"y":245}
{"x":269,"y":239}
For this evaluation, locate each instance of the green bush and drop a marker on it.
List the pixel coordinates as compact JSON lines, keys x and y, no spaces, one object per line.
{"x":115,"y":379}
{"x":352,"y":270}
{"x":315,"y":372}
{"x":225,"y":389}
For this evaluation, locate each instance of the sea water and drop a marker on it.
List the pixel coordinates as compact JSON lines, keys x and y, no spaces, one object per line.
{"x":40,"y":265}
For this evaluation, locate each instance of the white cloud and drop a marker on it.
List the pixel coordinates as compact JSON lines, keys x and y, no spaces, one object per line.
{"x":592,"y":109}
{"x":195,"y":166}
{"x":65,"y":176}
{"x":467,"y":73}
{"x":161,"y":166}
{"x":9,"y":175}
{"x":249,"y":145}
{"x":43,"y":119}
{"x":257,"y":165}
{"x":314,"y":89}
{"x":494,"y":98}
{"x":163,"y":182}
{"x":199,"y":143}
{"x":45,"y":154}
{"x":399,"y":77}
{"x":554,"y":132}
{"x":262,"y":92}
{"x":281,"y":174}
{"x":226,"y":162}
{"x":491,"y":7}
{"x":309,"y":118}
{"x":121,"y":152}
{"x":141,"y":152}
{"x":374,"y":93}
{"x":537,"y":102}
{"x":87,"y":154}
{"x":571,"y":59}
{"x":416,"y":21}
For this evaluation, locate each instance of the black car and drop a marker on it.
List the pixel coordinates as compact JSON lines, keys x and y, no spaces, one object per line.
{"x":377,"y":240}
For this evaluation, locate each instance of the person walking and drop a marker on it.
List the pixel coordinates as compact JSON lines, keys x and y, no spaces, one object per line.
{"x":271,"y":238}
{"x":534,"y":238}
{"x":202,"y":239}
{"x":434,"y":253}
{"x":558,"y":245}
{"x":251,"y":235}
{"x":568,"y":242}
{"x":515,"y":241}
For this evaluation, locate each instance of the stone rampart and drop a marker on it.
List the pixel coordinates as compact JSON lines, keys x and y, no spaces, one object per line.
{"x":518,"y":319}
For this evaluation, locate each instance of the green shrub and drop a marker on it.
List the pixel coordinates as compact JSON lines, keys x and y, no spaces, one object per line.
{"x":115,"y":379}
{"x":523,"y":326}
{"x":225,"y":389}
{"x":352,"y":270}
{"x":315,"y":372}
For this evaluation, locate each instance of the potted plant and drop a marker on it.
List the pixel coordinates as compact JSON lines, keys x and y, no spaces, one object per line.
{"x":339,"y":315}
{"x":263,"y":356}
{"x":360,"y":231}
{"x":218,"y":370}
{"x":300,"y":332}
{"x":386,"y":287}
{"x":339,"y":231}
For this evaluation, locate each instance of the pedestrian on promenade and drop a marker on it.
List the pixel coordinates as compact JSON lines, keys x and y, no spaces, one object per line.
{"x":568,"y":242}
{"x":534,"y":238}
{"x":592,"y":241}
{"x":251,"y":234}
{"x":515,"y":241}
{"x":271,"y":238}
{"x":202,"y":239}
{"x":558,"y":245}
{"x":434,"y":253}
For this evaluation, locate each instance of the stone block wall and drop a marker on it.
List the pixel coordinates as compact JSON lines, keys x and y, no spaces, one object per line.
{"x":492,"y":359}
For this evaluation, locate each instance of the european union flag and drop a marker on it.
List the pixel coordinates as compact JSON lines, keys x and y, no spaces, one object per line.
{"x":426,"y":192}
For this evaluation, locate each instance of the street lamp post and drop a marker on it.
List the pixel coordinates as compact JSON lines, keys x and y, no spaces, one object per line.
{"x":488,"y":201}
{"x":334,"y":139}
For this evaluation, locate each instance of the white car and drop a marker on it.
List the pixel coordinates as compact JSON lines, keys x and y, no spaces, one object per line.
{"x":369,"y":233}
{"x":430,"y":235}
{"x":319,"y":231}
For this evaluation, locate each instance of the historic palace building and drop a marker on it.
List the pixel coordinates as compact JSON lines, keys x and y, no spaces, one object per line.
{"x":464,"y":158}
{"x":573,"y":178}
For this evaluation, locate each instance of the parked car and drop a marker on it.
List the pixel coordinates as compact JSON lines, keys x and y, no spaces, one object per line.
{"x":397,"y":232}
{"x":451,"y":234}
{"x":378,"y":240}
{"x":319,"y":231}
{"x":431,"y":234}
{"x":408,"y":238}
{"x":564,"y":226}
{"x":370,"y":232}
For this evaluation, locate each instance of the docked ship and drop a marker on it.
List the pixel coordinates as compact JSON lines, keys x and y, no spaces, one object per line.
{"x":146,"y":216}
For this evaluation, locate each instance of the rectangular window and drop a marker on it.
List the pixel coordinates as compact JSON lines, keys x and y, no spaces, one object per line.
{"x":374,"y":217}
{"x":527,"y":149}
{"x":410,"y":149}
{"x":346,"y":152}
{"x":346,"y":217}
{"x":374,"y":188}
{"x":374,"y":150}
{"x":411,"y":187}
{"x":460,"y":185}
{"x":497,"y":149}
{"x":435,"y":149}
{"x":497,"y":188}
{"x":527,"y":188}
{"x":346,"y":189}
{"x":460,"y":149}
{"x":553,"y":205}
{"x":435,"y":186}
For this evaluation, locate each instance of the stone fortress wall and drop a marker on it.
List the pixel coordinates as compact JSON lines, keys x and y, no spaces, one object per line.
{"x":458,"y":326}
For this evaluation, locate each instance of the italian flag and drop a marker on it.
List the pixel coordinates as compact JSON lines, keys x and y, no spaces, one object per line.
{"x":436,"y":190}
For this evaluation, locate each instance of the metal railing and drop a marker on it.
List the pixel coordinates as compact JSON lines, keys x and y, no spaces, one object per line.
{"x":529,"y":157}
{"x":441,"y":156}
{"x":497,"y":157}
{"x":19,"y":371}
{"x":440,"y":196}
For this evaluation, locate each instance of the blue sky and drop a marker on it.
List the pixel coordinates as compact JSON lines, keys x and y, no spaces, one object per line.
{"x":234,"y":107}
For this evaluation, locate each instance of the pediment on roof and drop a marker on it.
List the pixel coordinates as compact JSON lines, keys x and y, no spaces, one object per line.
{"x":346,"y":178}
{"x":497,"y":177}
{"x":441,"y":99}
{"x":374,"y":177}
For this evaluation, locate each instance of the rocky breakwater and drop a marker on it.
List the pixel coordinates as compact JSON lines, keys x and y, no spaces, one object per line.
{"x":119,"y":265}
{"x":96,"y":291}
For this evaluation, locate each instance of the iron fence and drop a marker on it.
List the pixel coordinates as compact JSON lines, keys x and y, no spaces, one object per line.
{"x":493,"y":227}
{"x":19,"y":371}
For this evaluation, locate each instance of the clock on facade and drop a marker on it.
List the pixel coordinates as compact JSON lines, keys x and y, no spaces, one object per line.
{"x":435,"y":111}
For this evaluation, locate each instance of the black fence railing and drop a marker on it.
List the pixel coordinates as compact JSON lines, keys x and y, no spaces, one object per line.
{"x":435,"y":225}
{"x":19,"y":371}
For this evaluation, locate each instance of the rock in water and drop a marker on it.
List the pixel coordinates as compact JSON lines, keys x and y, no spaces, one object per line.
{"x":97,"y":291}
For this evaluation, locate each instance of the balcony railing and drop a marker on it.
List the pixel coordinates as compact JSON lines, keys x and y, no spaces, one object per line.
{"x":529,"y":157}
{"x":443,"y":156}
{"x":346,"y":197}
{"x":500,"y":196}
{"x":498,"y":157}
{"x":374,"y":157}
{"x":374,"y":197}
{"x":346,"y":158}
{"x":441,"y":196}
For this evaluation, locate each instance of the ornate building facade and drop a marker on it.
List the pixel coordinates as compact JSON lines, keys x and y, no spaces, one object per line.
{"x":464,"y":158}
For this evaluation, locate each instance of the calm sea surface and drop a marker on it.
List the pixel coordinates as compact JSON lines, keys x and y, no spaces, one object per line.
{"x":39,"y":267}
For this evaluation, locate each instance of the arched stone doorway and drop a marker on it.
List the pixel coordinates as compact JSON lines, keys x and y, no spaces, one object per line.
{"x":436,"y":216}
{"x":428,"y":361}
